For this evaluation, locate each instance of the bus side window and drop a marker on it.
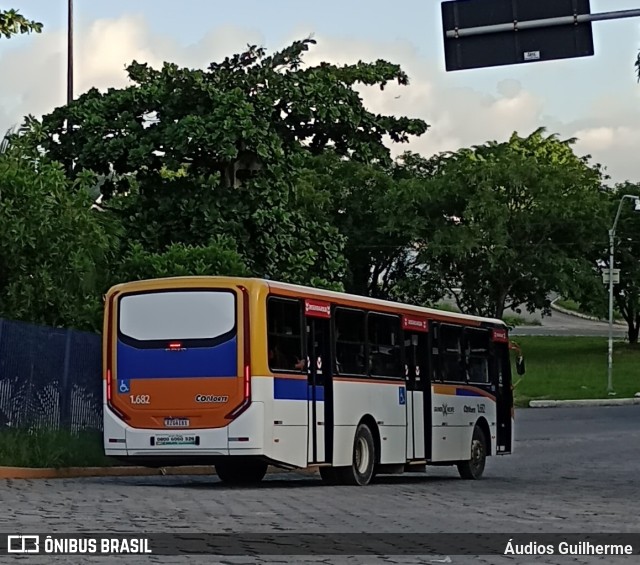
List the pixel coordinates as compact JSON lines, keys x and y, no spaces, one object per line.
{"x":284,"y":330}
{"x":477,"y":355}
{"x":350,"y":342}
{"x":451,"y":354}
{"x":383,"y":333}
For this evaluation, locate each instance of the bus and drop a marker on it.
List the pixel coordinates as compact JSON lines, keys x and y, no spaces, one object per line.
{"x":244,"y":373}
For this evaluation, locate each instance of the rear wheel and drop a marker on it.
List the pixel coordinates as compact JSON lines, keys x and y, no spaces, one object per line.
{"x":360,"y":472}
{"x":473,"y":468}
{"x":241,"y":472}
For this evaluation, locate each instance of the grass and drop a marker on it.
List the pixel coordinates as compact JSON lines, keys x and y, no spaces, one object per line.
{"x":574,"y":306}
{"x":568,"y":368}
{"x":520,"y":321}
{"x":52,"y":448}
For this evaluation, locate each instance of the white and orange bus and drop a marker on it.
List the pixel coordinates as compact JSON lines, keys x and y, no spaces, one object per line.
{"x":244,"y":373}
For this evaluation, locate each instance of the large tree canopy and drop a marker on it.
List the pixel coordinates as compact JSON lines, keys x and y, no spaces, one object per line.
{"x":515,"y":221}
{"x":186,"y":156}
{"x":246,"y":113}
{"x":13,"y":23}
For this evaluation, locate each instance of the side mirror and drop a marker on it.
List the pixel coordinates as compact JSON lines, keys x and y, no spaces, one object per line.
{"x":520,"y":365}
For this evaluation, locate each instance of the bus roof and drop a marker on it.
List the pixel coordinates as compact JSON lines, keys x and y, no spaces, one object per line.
{"x":328,"y":294}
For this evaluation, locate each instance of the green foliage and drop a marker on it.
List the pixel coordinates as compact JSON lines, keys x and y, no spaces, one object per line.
{"x":13,"y":23}
{"x":54,"y":250}
{"x":218,"y":258}
{"x":592,"y":294}
{"x":46,"y":448}
{"x":247,"y":114}
{"x":184,"y":156}
{"x":511,"y":222}
{"x":378,"y":209}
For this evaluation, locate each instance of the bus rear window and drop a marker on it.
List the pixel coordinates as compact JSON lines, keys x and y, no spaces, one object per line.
{"x":177,"y":315}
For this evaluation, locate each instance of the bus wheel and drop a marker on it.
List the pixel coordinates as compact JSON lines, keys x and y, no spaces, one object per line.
{"x":364,"y":458}
{"x":241,"y":472}
{"x":474,"y":467}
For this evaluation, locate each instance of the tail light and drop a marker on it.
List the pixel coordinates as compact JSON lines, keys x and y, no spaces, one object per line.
{"x":246,"y":339}
{"x":109,"y":359}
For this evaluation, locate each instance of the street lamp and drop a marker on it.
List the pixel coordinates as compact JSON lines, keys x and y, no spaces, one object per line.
{"x":612,"y":233}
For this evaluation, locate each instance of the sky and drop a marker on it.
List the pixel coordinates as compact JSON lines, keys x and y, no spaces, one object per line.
{"x":595,"y":99}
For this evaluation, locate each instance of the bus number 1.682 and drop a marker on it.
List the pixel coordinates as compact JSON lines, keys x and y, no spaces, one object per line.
{"x":140,"y":399}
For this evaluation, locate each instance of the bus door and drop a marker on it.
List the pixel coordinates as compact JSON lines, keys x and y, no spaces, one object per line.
{"x":318,"y":318}
{"x":501,"y":375}
{"x":418,"y":381}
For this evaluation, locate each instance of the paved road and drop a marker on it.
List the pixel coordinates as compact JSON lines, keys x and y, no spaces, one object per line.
{"x":575,"y":470}
{"x":560,"y":324}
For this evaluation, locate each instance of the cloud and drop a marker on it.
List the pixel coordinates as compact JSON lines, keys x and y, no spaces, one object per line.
{"x":33,"y":80}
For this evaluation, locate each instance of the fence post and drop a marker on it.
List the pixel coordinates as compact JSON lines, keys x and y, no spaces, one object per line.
{"x":65,"y":389}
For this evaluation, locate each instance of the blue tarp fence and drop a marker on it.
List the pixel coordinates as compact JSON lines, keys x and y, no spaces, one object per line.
{"x":49,"y":377}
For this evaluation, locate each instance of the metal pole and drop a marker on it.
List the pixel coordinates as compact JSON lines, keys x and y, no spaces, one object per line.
{"x":610,"y":352}
{"x":612,"y":233}
{"x":530,"y":24}
{"x":70,"y":52}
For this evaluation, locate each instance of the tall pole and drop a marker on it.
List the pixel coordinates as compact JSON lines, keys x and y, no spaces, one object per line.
{"x":610,"y":353}
{"x":70,"y":52}
{"x":612,"y":235}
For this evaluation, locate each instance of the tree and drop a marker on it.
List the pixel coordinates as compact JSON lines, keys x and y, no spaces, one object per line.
{"x":247,"y":114}
{"x":55,"y":251}
{"x":181,"y":260}
{"x":592,"y":294}
{"x":378,"y":209}
{"x":13,"y":23}
{"x":515,"y":220}
{"x":188,"y":155}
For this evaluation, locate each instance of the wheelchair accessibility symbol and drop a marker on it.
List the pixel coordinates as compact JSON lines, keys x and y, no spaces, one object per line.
{"x":402,"y":398}
{"x":123,"y":386}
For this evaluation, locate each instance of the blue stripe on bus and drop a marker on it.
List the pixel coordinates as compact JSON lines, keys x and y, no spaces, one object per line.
{"x":295,"y":389}
{"x":218,"y":361}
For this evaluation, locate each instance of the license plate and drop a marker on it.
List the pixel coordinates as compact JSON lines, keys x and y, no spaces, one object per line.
{"x":175,"y":439}
{"x":176,"y":422}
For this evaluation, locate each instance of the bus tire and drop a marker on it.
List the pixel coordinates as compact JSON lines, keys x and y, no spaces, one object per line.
{"x":241,"y":472}
{"x":473,"y":468}
{"x":360,"y":472}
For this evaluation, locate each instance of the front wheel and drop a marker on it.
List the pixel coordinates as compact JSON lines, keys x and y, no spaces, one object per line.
{"x":241,"y":472}
{"x":473,"y":468}
{"x":360,"y":472}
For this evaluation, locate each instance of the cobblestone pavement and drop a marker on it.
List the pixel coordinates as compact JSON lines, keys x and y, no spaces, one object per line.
{"x":575,"y":470}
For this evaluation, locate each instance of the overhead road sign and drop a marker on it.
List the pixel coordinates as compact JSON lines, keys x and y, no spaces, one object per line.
{"x":489,"y":33}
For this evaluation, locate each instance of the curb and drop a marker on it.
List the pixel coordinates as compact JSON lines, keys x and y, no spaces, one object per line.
{"x":584,"y":402}
{"x":85,"y":472}
{"x":562,"y":310}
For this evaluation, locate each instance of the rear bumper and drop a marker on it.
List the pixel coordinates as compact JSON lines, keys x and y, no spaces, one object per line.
{"x":243,"y":436}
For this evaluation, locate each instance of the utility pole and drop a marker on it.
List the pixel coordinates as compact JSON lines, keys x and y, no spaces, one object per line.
{"x":70,"y":52}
